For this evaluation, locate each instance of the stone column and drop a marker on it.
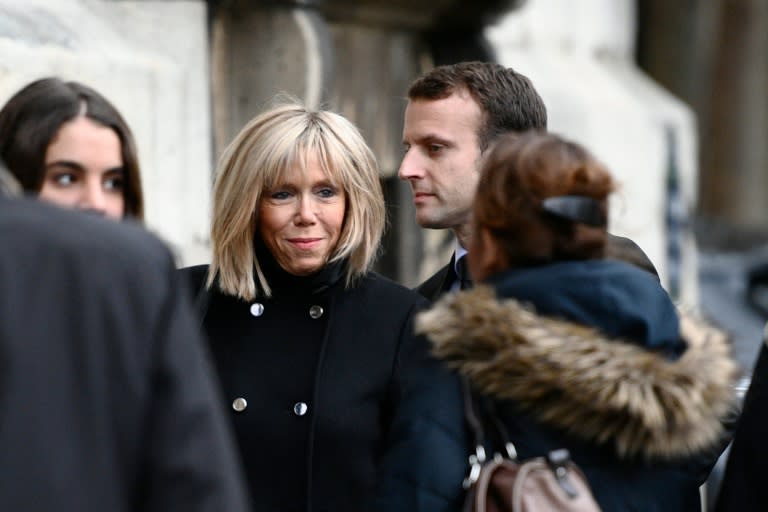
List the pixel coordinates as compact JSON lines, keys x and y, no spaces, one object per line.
{"x":260,"y":51}
{"x":580,"y":59}
{"x":714,"y":54}
{"x":735,"y":154}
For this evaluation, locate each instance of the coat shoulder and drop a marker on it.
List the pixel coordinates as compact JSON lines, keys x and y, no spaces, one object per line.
{"x":37,"y":230}
{"x":194,"y":276}
{"x":193,"y":280}
{"x":386,"y":289}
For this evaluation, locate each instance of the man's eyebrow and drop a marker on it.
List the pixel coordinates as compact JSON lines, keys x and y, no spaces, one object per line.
{"x":430,"y":138}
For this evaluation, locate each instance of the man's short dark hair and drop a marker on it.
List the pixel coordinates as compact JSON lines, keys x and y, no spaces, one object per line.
{"x":507,"y":98}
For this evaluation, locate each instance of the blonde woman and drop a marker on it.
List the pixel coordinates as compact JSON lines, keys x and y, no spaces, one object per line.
{"x":320,"y":369}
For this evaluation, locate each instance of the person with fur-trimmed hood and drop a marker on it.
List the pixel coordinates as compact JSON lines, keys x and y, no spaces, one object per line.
{"x":577,"y":351}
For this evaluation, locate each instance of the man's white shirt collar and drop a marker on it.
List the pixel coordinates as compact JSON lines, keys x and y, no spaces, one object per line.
{"x":459,"y":252}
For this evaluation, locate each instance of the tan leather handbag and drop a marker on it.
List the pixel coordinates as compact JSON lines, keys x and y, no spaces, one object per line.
{"x":504,"y":484}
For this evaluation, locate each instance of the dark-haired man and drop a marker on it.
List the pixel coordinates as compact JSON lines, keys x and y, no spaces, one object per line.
{"x":454,"y":113}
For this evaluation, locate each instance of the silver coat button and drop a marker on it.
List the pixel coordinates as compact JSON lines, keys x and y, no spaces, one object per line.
{"x":239,"y":404}
{"x":300,"y":408}
{"x":316,"y":312}
{"x":257,"y":309}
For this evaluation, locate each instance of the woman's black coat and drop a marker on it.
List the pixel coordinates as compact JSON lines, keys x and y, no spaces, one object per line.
{"x":322,"y":384}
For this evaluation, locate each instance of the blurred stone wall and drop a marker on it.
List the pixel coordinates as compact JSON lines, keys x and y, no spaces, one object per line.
{"x":188,"y":74}
{"x":580,"y":57}
{"x":714,"y":55}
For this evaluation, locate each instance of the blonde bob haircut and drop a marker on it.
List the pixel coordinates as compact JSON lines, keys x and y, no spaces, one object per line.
{"x":255,"y":162}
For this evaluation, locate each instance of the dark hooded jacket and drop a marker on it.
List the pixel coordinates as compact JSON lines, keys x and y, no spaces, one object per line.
{"x":591,"y":356}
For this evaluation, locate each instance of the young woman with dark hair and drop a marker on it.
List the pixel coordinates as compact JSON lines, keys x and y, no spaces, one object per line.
{"x":65,"y":143}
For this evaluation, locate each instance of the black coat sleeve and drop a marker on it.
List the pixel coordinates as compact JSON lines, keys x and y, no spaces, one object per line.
{"x":424,"y":460}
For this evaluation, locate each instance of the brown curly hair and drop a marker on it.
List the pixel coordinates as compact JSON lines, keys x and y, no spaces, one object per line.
{"x":519,"y":173}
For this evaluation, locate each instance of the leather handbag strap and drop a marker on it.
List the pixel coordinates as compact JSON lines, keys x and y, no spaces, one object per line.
{"x":478,"y":458}
{"x":470,"y":413}
{"x":473,"y":417}
{"x":557,"y":460}
{"x":489,"y":406}
{"x":473,"y":412}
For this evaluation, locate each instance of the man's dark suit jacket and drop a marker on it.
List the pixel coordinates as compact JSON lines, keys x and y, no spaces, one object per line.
{"x":106,"y":397}
{"x":616,"y":247}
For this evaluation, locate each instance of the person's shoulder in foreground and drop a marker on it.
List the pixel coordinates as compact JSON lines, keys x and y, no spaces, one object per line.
{"x":28,"y":222}
{"x":745,"y":484}
{"x":106,"y":398}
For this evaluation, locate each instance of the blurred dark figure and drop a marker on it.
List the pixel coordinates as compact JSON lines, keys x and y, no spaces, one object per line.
{"x":745,"y":484}
{"x":106,"y":399}
{"x":757,"y":288}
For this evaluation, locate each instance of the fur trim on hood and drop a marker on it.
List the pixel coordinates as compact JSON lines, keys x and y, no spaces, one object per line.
{"x":572,"y":377}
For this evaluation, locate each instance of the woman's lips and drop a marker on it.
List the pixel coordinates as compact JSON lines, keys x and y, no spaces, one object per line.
{"x":305,"y":243}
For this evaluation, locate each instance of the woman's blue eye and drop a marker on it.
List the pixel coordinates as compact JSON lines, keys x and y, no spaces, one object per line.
{"x":327,"y":192}
{"x":282,"y":194}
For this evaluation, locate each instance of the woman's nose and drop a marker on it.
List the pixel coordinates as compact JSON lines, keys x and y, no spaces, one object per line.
{"x":93,"y":197}
{"x":305,"y":213}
